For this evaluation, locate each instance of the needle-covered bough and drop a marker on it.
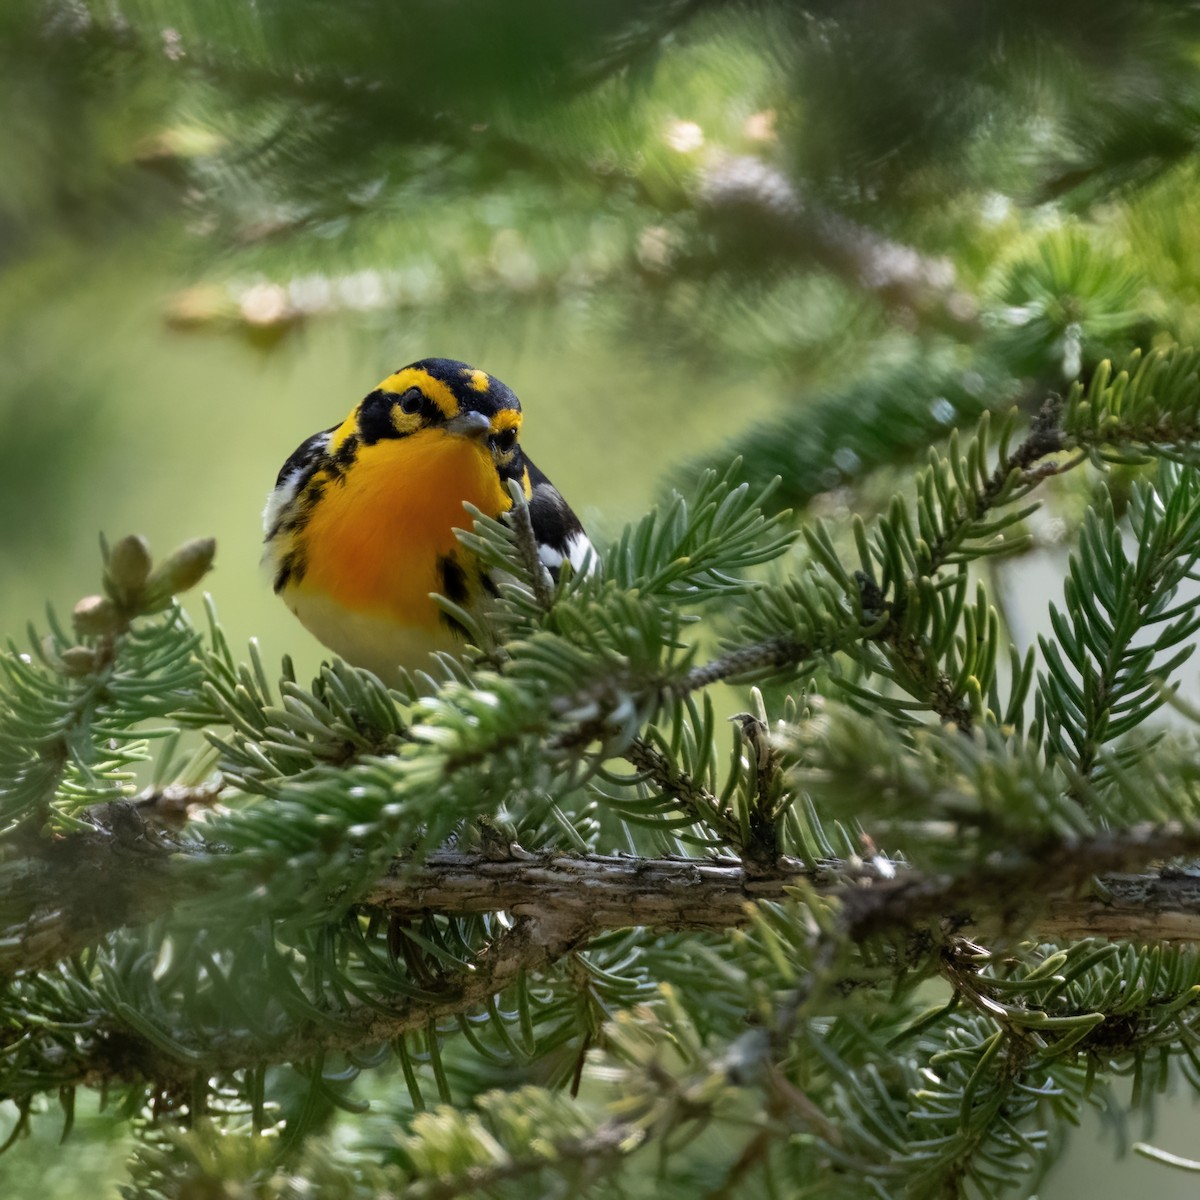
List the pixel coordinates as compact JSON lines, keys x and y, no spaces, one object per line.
{"x":895,"y":923}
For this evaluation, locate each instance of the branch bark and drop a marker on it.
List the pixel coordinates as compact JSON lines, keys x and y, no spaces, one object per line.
{"x":599,"y":893}
{"x":122,"y":875}
{"x":760,"y":211}
{"x":559,"y":902}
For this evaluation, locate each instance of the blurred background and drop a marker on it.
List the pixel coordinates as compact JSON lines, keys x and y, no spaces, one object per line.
{"x":816,"y":235}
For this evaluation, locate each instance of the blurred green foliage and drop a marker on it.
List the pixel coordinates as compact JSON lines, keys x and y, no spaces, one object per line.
{"x":818,"y":235}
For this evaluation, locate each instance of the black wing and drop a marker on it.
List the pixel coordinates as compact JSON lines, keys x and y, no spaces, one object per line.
{"x":305,"y":455}
{"x":560,"y":535}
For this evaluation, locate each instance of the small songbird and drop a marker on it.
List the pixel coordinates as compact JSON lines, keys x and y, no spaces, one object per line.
{"x":360,"y":527}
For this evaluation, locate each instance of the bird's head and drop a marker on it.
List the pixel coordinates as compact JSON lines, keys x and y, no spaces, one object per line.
{"x":446,"y":397}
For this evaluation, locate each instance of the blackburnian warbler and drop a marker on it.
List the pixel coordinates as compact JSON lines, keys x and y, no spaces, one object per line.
{"x":360,"y":526}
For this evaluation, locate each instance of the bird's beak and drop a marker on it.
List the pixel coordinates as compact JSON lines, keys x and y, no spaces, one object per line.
{"x":471,"y":425}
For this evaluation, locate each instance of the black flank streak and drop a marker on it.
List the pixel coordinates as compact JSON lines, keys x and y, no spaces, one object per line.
{"x":292,"y":568}
{"x":286,"y":524}
{"x":454,"y":581}
{"x":313,"y":493}
{"x":343,"y":460}
{"x":454,"y":587}
{"x":455,"y":626}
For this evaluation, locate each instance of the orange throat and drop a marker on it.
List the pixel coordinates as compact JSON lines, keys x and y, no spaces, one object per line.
{"x":373,"y":544}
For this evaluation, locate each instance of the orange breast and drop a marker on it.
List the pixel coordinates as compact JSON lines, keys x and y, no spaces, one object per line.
{"x":373,"y":542}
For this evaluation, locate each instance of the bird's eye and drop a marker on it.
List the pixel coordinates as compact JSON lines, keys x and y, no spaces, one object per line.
{"x":411,"y":401}
{"x":504,"y":442}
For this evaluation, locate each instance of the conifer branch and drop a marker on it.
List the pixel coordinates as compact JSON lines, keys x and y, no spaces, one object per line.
{"x":696,"y":800}
{"x":70,"y":892}
{"x":118,"y":1047}
{"x":920,"y":671}
{"x":771,"y":653}
{"x":1117,"y":639}
{"x":758,"y":206}
{"x":966,"y":497}
{"x":561,"y":902}
{"x":1045,"y":437}
{"x":1037,"y":888}
{"x":125,"y":878}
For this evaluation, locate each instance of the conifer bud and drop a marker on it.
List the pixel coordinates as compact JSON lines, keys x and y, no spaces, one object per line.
{"x":95,"y":615}
{"x":182,"y":570}
{"x":78,"y":660}
{"x":128,"y":569}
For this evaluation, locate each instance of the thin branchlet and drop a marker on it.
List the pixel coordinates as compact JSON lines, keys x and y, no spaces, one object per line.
{"x":910,"y":652}
{"x":772,"y":653}
{"x":698,"y":801}
{"x":527,"y":548}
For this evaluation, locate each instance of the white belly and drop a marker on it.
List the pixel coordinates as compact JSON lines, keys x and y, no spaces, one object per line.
{"x":376,"y":643}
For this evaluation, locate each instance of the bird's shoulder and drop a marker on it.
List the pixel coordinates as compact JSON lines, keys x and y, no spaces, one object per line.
{"x":305,"y":458}
{"x":299,"y":468}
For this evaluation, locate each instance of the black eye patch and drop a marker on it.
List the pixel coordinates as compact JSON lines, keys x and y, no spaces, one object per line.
{"x":375,"y":417}
{"x":377,"y":410}
{"x":505,"y":441}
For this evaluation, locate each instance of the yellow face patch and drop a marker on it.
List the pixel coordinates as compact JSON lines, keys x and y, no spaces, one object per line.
{"x":343,"y":431}
{"x":404,"y":422}
{"x":506,"y":418}
{"x":434,"y":389}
